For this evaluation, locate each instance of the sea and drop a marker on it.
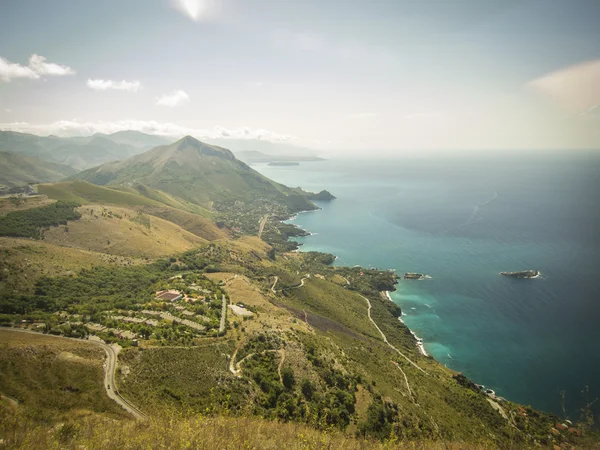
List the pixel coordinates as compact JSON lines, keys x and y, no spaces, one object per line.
{"x":461,"y":218}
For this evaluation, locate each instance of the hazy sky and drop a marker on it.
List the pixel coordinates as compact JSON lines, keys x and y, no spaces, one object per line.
{"x":338,"y":74}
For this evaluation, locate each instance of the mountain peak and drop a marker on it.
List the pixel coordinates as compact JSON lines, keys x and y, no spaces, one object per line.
{"x":189,"y":142}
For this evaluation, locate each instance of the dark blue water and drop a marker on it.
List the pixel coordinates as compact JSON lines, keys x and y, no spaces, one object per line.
{"x":463,"y":220}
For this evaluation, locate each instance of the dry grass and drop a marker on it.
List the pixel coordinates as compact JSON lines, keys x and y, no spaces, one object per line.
{"x":109,"y":229}
{"x":7,"y":205}
{"x":54,"y":379}
{"x":25,"y":260}
{"x":249,"y":244}
{"x":194,"y":223}
{"x":175,"y":432}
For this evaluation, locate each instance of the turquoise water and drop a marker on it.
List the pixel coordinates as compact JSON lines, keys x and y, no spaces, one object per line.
{"x":462,"y":221}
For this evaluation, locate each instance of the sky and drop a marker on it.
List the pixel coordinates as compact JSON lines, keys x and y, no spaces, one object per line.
{"x":343,"y":75}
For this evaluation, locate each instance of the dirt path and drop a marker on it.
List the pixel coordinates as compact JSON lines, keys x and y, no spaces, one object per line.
{"x":11,"y":401}
{"x":261,"y":227}
{"x":236,"y":367}
{"x":274,"y":284}
{"x":306,"y":320}
{"x":386,"y":340}
{"x":110,"y":366}
{"x":282,"y":354}
{"x":410,"y":393}
{"x":232,"y":368}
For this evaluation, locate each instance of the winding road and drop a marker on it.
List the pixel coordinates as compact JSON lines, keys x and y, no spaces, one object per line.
{"x":306,"y":277}
{"x":110,"y":366}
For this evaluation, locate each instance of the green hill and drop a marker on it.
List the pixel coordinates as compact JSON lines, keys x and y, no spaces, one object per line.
{"x":17,"y":170}
{"x":196,"y":172}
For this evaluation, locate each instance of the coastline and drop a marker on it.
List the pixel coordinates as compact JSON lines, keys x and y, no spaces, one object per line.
{"x":420,"y":344}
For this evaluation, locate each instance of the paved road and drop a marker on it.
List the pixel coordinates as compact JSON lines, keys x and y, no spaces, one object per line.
{"x":110,"y":366}
{"x":223,"y":315}
{"x":302,"y":281}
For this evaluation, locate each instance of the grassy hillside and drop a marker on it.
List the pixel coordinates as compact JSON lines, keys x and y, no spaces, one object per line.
{"x":196,"y":172}
{"x":17,"y":170}
{"x":54,"y":379}
{"x":309,"y":354}
{"x":24,"y":261}
{"x":15,"y":203}
{"x":123,"y":231}
{"x":83,"y":192}
{"x":33,"y":222}
{"x":203,"y":433}
{"x":166,"y":199}
{"x":191,"y":218}
{"x":194,"y":223}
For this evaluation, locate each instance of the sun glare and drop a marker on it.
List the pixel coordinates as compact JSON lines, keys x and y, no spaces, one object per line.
{"x":192,"y":8}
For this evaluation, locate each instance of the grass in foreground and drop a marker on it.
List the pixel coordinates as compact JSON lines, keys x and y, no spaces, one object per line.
{"x":53,"y":379}
{"x":175,"y":432}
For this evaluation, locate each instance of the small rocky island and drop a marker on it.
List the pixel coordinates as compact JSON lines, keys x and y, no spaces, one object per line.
{"x":415,"y":276}
{"x":522,"y":274}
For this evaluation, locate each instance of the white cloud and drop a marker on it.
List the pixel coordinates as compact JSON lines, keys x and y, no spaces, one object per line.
{"x":77,"y":128}
{"x":174,"y":99}
{"x":576,"y":88}
{"x":37,"y":67}
{"x":9,"y":71}
{"x":103,"y":85}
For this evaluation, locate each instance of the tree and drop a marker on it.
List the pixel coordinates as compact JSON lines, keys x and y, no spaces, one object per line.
{"x":287,"y":376}
{"x":307,"y":388}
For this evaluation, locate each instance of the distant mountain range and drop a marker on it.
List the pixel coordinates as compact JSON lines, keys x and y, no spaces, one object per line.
{"x":84,"y":152}
{"x":80,"y":152}
{"x":17,"y":170}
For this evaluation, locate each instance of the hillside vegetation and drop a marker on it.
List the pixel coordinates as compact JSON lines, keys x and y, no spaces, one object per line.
{"x":32,"y":222}
{"x":123,"y":231}
{"x":179,"y":255}
{"x":24,"y":261}
{"x":53,"y":379}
